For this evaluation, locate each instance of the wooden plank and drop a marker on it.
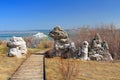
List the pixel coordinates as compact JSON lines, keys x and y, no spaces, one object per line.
{"x":31,"y":69}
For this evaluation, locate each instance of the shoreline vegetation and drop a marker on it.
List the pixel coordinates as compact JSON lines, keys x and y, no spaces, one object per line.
{"x":70,"y":68}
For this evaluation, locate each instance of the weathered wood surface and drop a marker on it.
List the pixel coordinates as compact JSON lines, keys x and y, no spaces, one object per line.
{"x":31,"y":69}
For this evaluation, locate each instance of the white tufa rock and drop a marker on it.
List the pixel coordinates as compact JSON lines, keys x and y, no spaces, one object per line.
{"x":17,"y":47}
{"x":84,"y":51}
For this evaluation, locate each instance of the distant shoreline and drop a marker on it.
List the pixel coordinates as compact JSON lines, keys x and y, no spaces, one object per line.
{"x":6,"y":35}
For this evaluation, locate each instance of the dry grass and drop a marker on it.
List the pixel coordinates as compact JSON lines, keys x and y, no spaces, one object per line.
{"x":3,"y":48}
{"x":86,"y":70}
{"x":8,"y":65}
{"x":68,"y":69}
{"x":44,"y":44}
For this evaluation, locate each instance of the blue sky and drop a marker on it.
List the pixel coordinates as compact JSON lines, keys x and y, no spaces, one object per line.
{"x":46,"y":14}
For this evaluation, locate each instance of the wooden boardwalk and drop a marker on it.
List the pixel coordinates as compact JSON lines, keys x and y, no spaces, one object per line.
{"x":31,"y":69}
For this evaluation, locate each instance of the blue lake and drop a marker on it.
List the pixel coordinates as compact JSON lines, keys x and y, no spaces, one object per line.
{"x":6,"y":35}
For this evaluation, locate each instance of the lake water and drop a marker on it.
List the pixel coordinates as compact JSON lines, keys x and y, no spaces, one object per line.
{"x":6,"y":35}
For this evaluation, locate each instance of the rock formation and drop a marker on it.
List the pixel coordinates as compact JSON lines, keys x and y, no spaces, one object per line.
{"x":96,"y":42}
{"x":83,"y":53}
{"x":17,"y":47}
{"x":99,"y":50}
{"x":62,"y":44}
{"x":58,"y":33}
